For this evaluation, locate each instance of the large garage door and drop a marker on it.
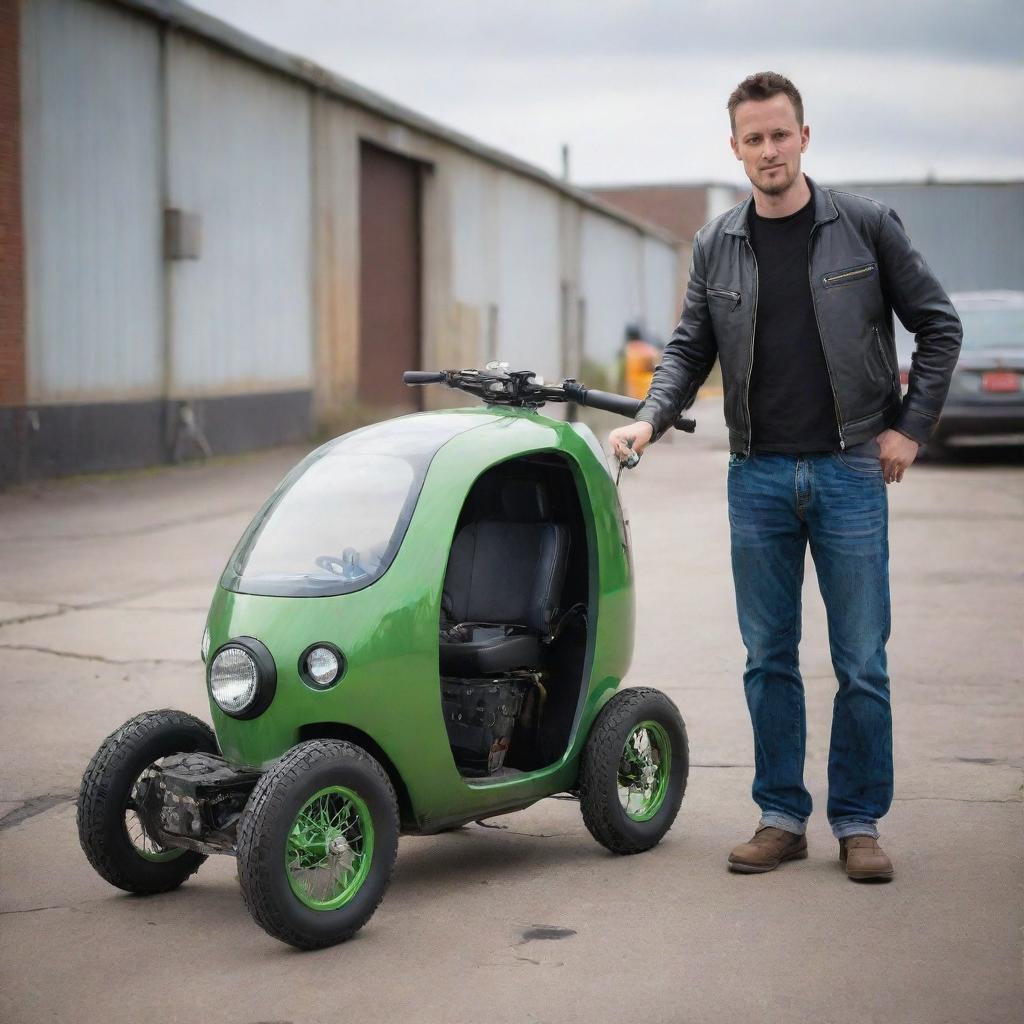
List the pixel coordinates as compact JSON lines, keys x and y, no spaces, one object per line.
{"x":389,"y":287}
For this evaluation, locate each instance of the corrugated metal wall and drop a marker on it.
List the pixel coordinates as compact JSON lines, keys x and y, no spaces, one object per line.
{"x":336,"y":263}
{"x":474,"y":229}
{"x":528,"y":300}
{"x":611,"y":281}
{"x":239,"y":156}
{"x":125,"y":115}
{"x":515,"y":259}
{"x":91,"y":156}
{"x":970,"y":235}
{"x":662,"y":300}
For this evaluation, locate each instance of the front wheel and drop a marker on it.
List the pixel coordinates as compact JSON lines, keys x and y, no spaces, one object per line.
{"x":317,"y":843}
{"x":109,"y":826}
{"x":634,"y":770}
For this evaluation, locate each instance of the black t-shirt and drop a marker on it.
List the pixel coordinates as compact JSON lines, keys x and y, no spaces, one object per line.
{"x":791,"y":405}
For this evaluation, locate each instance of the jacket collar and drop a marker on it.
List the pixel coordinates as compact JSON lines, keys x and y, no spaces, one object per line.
{"x":736,"y":222}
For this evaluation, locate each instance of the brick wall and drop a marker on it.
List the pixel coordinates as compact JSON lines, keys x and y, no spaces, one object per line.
{"x":679,"y":209}
{"x":12,"y":267}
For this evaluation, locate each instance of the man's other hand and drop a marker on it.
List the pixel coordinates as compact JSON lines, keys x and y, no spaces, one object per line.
{"x":897,"y":454}
{"x":639,"y":431}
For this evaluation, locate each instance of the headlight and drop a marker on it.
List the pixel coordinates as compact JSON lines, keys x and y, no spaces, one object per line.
{"x":321,"y":666}
{"x":233,"y":680}
{"x":204,"y":648}
{"x":243,"y":678}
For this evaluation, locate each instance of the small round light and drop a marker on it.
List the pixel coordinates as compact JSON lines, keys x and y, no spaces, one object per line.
{"x":234,"y":680}
{"x":322,"y":666}
{"x":204,"y":650}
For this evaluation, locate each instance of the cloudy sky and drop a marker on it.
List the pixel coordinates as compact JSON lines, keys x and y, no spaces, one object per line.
{"x":893,"y":90}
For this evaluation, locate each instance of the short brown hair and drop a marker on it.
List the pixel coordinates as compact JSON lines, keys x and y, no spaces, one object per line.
{"x":763,"y":86}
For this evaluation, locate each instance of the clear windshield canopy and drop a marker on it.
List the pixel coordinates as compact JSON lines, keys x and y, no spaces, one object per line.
{"x":335,"y":523}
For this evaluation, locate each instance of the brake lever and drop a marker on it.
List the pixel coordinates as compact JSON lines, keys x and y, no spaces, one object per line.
{"x":629,"y":462}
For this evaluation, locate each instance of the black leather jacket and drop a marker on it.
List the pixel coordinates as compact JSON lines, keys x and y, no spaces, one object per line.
{"x":862,"y":267}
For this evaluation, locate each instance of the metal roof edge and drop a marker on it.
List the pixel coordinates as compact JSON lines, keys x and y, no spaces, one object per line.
{"x":645,"y":185}
{"x":861,"y":183}
{"x":927,"y":183}
{"x":199,"y":23}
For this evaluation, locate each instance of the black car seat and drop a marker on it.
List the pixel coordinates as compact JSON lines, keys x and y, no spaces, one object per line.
{"x":502,"y":587}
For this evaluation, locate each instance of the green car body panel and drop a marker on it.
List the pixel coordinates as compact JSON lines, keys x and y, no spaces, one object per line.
{"x":388,"y":632}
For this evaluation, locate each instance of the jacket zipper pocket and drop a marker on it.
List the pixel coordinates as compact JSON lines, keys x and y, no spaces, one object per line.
{"x":847,"y":276}
{"x":724,"y":293}
{"x":893,"y":379}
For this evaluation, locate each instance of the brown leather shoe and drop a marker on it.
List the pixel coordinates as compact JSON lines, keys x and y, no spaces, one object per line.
{"x":864,"y":859}
{"x":766,"y":850}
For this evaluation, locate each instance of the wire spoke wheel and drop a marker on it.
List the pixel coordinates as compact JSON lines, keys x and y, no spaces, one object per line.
{"x":329,"y":848}
{"x":317,"y":842}
{"x":115,"y":787}
{"x":644,"y":771}
{"x":633,"y":771}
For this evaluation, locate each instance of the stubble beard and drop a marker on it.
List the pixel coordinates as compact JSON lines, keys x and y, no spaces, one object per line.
{"x":776,"y":188}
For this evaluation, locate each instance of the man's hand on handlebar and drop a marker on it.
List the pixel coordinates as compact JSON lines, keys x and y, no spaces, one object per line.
{"x":639,"y":431}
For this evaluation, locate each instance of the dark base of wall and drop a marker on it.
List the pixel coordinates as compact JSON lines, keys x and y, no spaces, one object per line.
{"x":43,"y":441}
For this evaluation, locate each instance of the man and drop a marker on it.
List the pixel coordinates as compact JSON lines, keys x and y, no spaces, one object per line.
{"x":793,"y":291}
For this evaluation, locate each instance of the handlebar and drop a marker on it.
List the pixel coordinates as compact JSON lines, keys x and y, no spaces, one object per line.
{"x":412,"y":377}
{"x":622,"y":406}
{"x":520,"y":388}
{"x":619,"y":404}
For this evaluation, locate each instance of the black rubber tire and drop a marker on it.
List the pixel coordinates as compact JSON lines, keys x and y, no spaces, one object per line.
{"x":107,"y":785}
{"x":263,"y":834}
{"x":598,"y":784}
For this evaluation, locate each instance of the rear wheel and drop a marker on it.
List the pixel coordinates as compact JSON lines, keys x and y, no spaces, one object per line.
{"x":109,"y":827}
{"x":317,"y":843}
{"x":634,"y":770}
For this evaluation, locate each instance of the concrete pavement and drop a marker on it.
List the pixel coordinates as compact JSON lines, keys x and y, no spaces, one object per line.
{"x":106,"y":583}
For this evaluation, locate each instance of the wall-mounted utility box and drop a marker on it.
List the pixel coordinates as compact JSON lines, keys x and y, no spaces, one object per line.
{"x":182,"y":235}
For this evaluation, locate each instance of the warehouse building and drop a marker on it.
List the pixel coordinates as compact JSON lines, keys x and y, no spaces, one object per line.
{"x":210,"y":245}
{"x":969,"y":231}
{"x":680,"y":209}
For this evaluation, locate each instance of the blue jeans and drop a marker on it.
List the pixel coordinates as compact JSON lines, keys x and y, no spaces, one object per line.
{"x":837,"y":503}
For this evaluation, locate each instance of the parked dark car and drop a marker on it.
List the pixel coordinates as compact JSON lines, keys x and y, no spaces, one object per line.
{"x":986,"y":395}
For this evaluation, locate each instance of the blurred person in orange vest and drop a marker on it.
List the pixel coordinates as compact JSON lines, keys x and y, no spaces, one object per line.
{"x":640,"y":358}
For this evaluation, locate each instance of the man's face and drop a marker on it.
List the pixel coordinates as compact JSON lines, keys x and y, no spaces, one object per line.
{"x":769,"y":141}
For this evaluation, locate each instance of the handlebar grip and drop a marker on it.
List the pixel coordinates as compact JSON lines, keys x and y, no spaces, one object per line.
{"x":629,"y":407}
{"x":605,"y":400}
{"x":412,"y":377}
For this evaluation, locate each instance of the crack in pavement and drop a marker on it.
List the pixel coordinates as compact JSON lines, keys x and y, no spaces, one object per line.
{"x":694,"y":764}
{"x":74,"y":907}
{"x":98,"y":657}
{"x":33,"y":806}
{"x":60,"y":610}
{"x":532,"y":835}
{"x":167,"y":611}
{"x":138,"y":531}
{"x":999,"y":761}
{"x":112,"y":605}
{"x":63,"y":608}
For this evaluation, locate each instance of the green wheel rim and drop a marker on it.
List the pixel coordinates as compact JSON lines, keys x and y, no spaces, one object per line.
{"x":329,"y":848}
{"x":143,"y":844}
{"x":644,"y":770}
